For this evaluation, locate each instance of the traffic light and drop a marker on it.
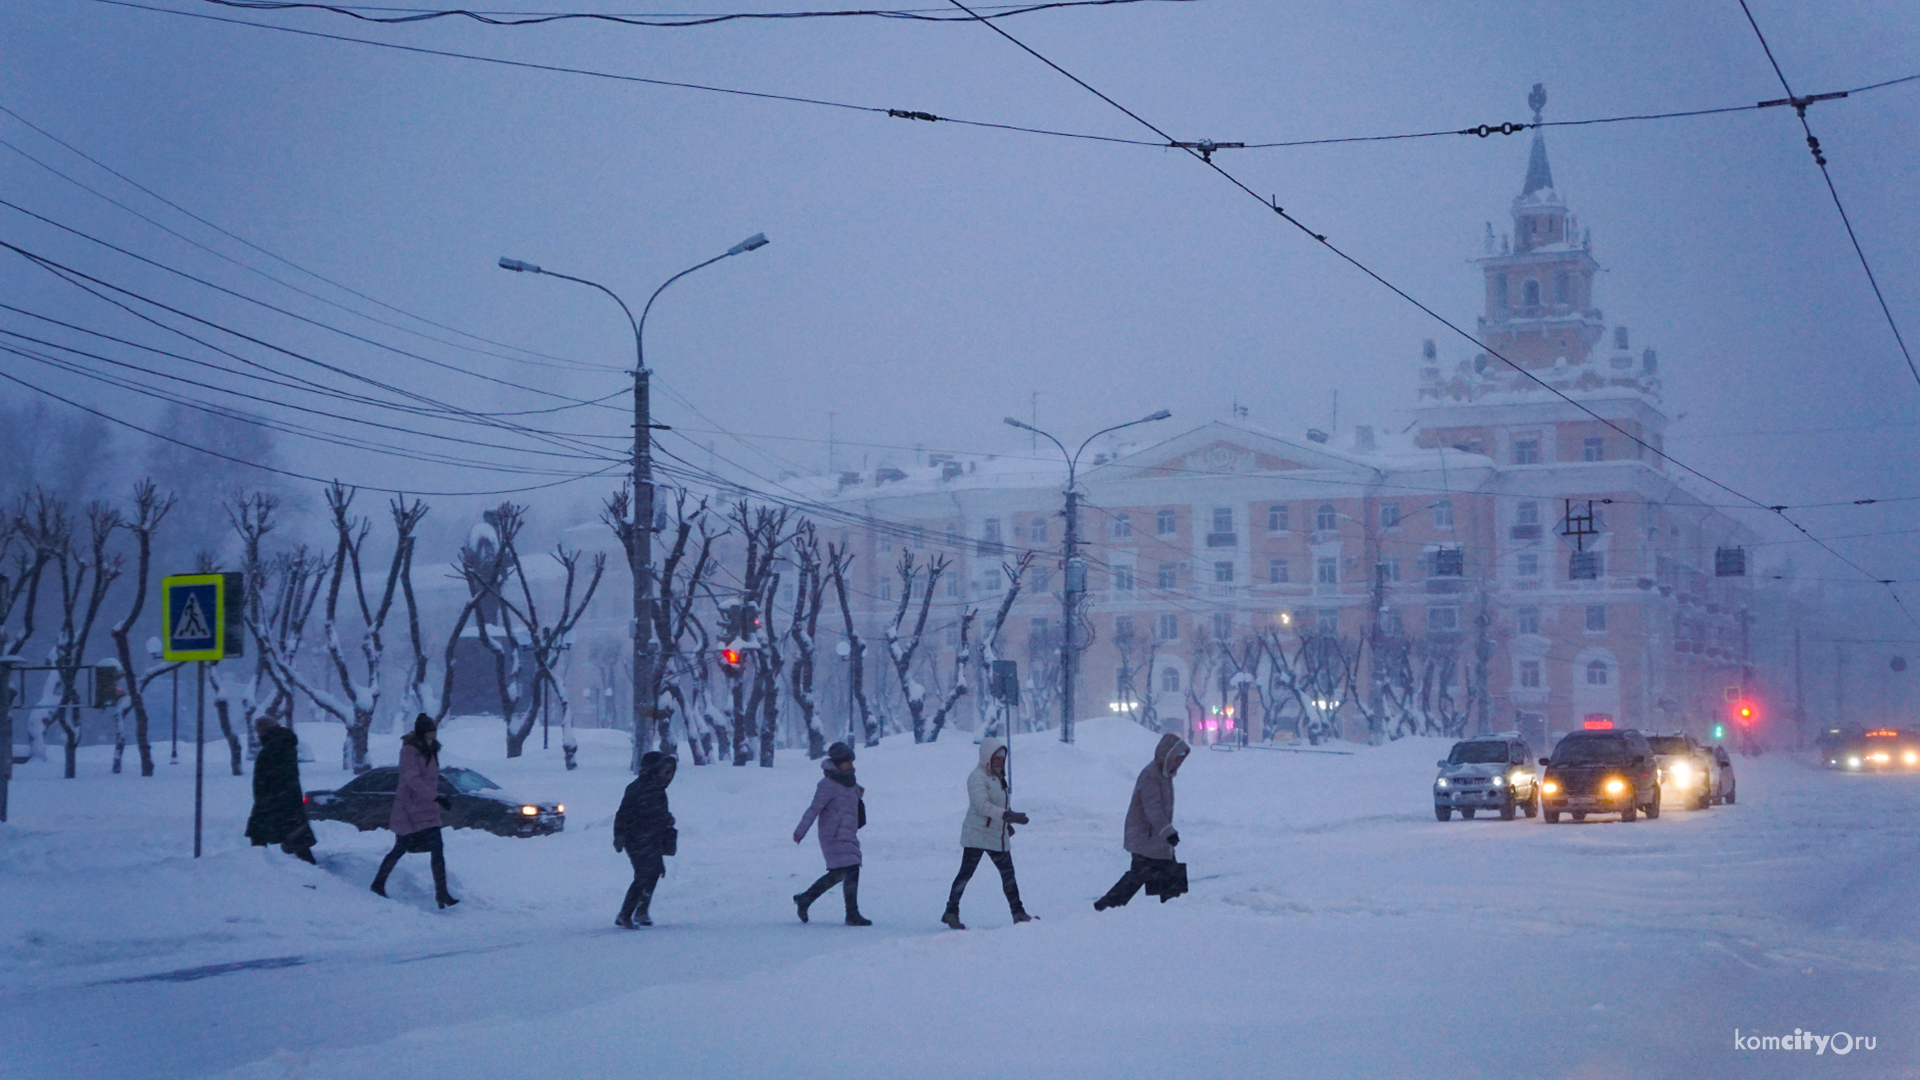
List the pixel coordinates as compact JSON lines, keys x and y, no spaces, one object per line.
{"x":730,"y":660}
{"x":1745,"y":712}
{"x":1719,"y":732}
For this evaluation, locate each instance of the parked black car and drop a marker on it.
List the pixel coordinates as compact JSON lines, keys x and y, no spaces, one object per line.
{"x":366,"y":802}
{"x":1601,"y":772}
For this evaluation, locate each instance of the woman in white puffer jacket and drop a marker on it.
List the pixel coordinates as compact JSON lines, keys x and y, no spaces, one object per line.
{"x":986,"y":830}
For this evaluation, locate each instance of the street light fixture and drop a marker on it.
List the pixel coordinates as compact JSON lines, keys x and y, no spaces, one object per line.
{"x":1075,"y":567}
{"x":640,"y":550}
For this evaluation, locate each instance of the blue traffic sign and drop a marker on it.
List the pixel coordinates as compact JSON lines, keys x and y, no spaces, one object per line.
{"x":195,"y":611}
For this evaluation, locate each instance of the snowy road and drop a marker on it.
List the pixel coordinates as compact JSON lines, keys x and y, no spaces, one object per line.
{"x":1334,"y":929}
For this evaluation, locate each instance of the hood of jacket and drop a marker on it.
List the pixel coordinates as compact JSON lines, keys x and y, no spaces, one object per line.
{"x":1171,"y":750}
{"x":990,"y":746}
{"x":278,"y":738}
{"x":658,"y":768}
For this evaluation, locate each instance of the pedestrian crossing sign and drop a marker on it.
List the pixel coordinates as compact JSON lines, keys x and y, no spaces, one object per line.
{"x":195,"y":609}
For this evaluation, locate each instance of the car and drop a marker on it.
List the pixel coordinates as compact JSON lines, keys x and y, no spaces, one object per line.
{"x":1686,"y":769}
{"x":1723,"y":786}
{"x":475,"y":802}
{"x":1600,"y":772}
{"x":1877,"y":750}
{"x":1491,"y":772}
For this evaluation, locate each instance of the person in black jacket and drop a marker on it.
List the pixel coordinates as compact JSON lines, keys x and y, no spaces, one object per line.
{"x":279,"y":806}
{"x":643,"y":828}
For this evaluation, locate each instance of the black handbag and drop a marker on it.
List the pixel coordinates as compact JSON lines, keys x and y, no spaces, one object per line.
{"x":863,"y":815}
{"x":670,"y":841}
{"x":1168,"y":881}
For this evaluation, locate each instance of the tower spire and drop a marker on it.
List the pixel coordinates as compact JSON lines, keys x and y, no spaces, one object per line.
{"x":1539,"y":174}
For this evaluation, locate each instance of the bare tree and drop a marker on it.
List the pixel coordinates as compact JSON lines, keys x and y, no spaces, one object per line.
{"x":963,"y":659}
{"x":86,"y":577}
{"x":746,"y":628}
{"x":901,"y":644}
{"x":545,"y":639}
{"x":988,"y":652}
{"x":149,"y":509}
{"x":808,"y":597}
{"x":838,"y":560}
{"x":362,"y":702}
{"x":22,"y":562}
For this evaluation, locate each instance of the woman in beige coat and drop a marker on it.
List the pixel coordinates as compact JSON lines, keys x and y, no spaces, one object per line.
{"x":986,"y":830}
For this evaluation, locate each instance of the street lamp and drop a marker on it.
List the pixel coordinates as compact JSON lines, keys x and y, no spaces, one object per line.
{"x":1076,"y":568}
{"x":640,"y":550}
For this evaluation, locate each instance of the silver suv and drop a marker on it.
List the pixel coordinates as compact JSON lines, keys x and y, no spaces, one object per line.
{"x":1491,"y":772}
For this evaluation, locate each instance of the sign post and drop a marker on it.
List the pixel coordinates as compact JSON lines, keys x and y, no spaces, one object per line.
{"x":194,"y":610}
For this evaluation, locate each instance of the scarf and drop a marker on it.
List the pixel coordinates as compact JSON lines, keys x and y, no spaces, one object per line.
{"x":844,"y":779}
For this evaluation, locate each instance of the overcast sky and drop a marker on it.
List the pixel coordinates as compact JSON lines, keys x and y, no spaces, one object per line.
{"x":926,"y":279}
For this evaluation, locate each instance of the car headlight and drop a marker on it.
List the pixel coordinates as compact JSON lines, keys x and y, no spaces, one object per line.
{"x":529,"y":811}
{"x":1549,"y":788}
{"x":1442,"y":782}
{"x":1682,"y":773}
{"x":1912,"y":758}
{"x":1616,"y":785}
{"x":560,"y":808}
{"x":1499,"y":781}
{"x":1853,"y":763}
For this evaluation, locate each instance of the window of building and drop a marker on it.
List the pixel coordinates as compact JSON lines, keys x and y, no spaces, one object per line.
{"x":1530,"y":674}
{"x":1223,"y":519}
{"x":1596,"y":618}
{"x":1167,"y":628}
{"x":1037,"y":630}
{"x":1443,"y":514}
{"x":1390,"y":622}
{"x":1123,"y":579}
{"x":1277,"y":518}
{"x":1594,"y":449}
{"x":1326,"y":519}
{"x":1598,"y":674}
{"x":1222,"y":626}
{"x":1326,"y":571}
{"x":1443,"y":619}
{"x":1389,"y":569}
{"x":886,"y":590}
{"x":1326,"y":620}
{"x":1527,"y":513}
{"x":1389,"y":515}
{"x":1042,"y":579}
{"x":1168,"y":575}
{"x":1562,"y":288}
{"x":953,"y":538}
{"x":1528,"y":564}
{"x":990,"y":530}
{"x":1530,"y":293}
{"x":1163,"y":523}
{"x":1526,"y":620}
{"x":1449,"y":562}
{"x":953,"y":585}
{"x":1500,"y":289}
{"x":1223,"y":572}
{"x":1526,"y":451}
{"x":1122,"y":526}
{"x":1123,"y":628}
{"x":1170,"y":680}
{"x":1276,"y":571}
{"x":917,"y":537}
{"x":1037,"y":530}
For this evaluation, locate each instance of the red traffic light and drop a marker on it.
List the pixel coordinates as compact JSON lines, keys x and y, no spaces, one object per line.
{"x":730,"y":657}
{"x":1745,"y":713}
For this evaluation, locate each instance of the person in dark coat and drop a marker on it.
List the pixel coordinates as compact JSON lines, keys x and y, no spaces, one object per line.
{"x":643,"y":828}
{"x":417,"y":803}
{"x":1150,"y":835}
{"x":836,"y":805}
{"x":279,"y":806}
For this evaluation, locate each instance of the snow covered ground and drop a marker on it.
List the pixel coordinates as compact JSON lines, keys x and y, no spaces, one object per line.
{"x":1334,"y":929}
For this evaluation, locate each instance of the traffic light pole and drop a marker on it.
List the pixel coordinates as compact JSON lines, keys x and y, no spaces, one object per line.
{"x":1075,"y":585}
{"x":199,"y":756}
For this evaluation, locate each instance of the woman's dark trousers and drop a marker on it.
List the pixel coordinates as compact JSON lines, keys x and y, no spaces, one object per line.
{"x":1002,"y":861}
{"x":647,"y":870}
{"x":436,"y":854}
{"x":848,"y":874}
{"x":1142,"y":872}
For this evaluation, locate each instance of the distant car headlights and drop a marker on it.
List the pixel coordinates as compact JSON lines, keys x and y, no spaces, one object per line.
{"x":1499,"y":781}
{"x":529,"y":811}
{"x":1912,"y":758}
{"x":1853,"y":763}
{"x":1616,"y":786}
{"x":1442,"y":782}
{"x":1550,"y":788}
{"x":1682,"y":774}
{"x":560,"y":808}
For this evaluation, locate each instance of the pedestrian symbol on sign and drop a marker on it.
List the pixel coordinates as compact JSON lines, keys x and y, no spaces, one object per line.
{"x":196,"y":617}
{"x":193,"y":624}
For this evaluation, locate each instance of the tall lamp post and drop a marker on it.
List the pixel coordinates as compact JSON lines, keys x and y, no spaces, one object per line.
{"x":1075,"y":567}
{"x":640,"y":551}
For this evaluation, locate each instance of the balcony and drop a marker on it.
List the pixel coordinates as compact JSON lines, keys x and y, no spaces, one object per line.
{"x":1524,"y":532}
{"x":1223,"y":540}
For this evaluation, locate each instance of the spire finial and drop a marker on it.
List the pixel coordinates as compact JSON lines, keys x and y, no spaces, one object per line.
{"x":1537,"y":100}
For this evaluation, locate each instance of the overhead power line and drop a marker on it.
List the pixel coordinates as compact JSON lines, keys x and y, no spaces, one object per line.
{"x":1166,"y":142}
{"x":1820,"y":158}
{"x":413,"y":15}
{"x":1274,"y":206}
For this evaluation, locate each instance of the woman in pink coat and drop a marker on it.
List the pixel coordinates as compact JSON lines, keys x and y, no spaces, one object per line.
{"x":416,"y":809}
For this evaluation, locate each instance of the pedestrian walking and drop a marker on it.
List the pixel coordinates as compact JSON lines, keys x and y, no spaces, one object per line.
{"x":417,"y":803}
{"x":643,"y":828}
{"x":985,"y":832}
{"x":1150,"y":835}
{"x":841,"y":813}
{"x":279,"y":806}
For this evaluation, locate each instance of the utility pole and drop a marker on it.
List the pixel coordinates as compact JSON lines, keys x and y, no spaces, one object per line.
{"x":1799,"y":695}
{"x":1076,"y":585}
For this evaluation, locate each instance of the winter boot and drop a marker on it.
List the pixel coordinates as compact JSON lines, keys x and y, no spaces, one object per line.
{"x":952,"y":919}
{"x":640,"y":916}
{"x":386,"y":869}
{"x":852,"y":890}
{"x":801,"y":902}
{"x":440,"y":893}
{"x":625,"y":919}
{"x":1021,"y":916}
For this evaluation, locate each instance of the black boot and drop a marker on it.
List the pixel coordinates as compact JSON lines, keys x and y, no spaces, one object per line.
{"x":801,"y":902}
{"x":386,"y":868}
{"x":440,"y":893}
{"x":640,"y":916}
{"x":852,"y":891}
{"x":952,"y":919}
{"x":625,"y":919}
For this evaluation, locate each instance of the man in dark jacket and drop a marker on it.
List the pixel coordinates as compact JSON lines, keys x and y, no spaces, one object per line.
{"x":1150,"y":835}
{"x":279,"y":806}
{"x":643,"y":828}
